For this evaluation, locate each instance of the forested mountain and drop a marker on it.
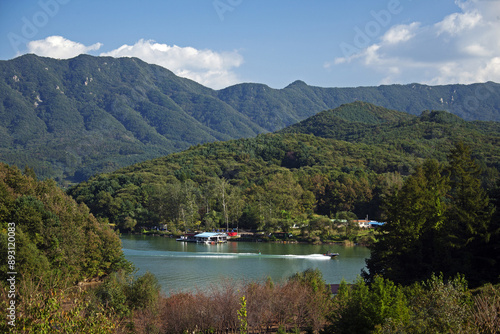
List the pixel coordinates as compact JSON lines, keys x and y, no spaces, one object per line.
{"x":70,"y":119}
{"x":276,"y":180}
{"x":431,"y":135}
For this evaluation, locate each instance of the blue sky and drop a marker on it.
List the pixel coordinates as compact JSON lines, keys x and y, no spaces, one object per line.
{"x":218,"y":43}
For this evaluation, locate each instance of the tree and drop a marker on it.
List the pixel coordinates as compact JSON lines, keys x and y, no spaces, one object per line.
{"x":346,"y":220}
{"x":208,"y":197}
{"x":470,"y":212}
{"x":346,"y":193}
{"x":439,"y":221}
{"x":361,"y":308}
{"x":235,"y":202}
{"x":222,"y":186}
{"x":211,"y":220}
{"x":281,"y":196}
{"x":469,"y":228}
{"x":408,"y":248}
{"x":188,"y":205}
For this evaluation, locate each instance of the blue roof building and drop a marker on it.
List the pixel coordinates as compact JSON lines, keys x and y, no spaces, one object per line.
{"x":211,"y":237}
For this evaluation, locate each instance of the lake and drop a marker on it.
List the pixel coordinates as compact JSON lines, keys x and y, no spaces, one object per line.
{"x":181,"y":266}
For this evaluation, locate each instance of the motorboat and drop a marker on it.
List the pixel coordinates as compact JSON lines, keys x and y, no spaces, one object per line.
{"x":332,"y":255}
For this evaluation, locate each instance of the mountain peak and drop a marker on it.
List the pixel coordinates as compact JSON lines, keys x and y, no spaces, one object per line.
{"x":364,"y":112}
{"x":297,"y":83}
{"x":440,"y":116}
{"x":331,"y":123}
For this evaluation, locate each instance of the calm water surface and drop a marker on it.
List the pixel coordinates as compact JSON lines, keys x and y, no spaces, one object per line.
{"x":181,"y":266}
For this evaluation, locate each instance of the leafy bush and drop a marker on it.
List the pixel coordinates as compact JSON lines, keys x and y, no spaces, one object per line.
{"x":121,"y":293}
{"x":361,"y":308}
{"x":437,"y":307}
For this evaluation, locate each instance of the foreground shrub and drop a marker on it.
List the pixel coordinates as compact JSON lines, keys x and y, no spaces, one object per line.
{"x":120,"y":293}
{"x":486,"y":312}
{"x":53,"y":310}
{"x":292,"y":305}
{"x":362,"y":308}
{"x":439,"y":306}
{"x":144,"y":292}
{"x":432,"y":306}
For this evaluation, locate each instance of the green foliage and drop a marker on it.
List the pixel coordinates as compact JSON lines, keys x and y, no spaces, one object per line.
{"x":409,"y":247}
{"x":121,"y":294}
{"x":242,"y":315}
{"x":431,"y":135}
{"x":312,"y":278}
{"x":57,"y":244}
{"x":113,"y":293}
{"x":274,"y":179}
{"x":471,"y":213}
{"x":362,"y":308}
{"x":439,"y":221}
{"x":439,"y":306}
{"x":346,"y":222}
{"x":144,"y":292}
{"x":431,"y":306}
{"x":55,"y":236}
{"x":43,"y":309}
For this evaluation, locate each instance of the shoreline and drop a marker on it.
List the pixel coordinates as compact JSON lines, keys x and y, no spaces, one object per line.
{"x":260,"y":237}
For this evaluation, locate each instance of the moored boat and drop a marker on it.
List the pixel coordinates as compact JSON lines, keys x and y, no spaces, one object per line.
{"x":188,"y":237}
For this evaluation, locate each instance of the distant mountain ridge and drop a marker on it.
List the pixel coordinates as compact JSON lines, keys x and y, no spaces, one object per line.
{"x":70,"y":119}
{"x":428,"y":136}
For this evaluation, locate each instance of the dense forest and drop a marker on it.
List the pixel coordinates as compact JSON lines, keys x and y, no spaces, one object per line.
{"x":353,"y":158}
{"x":49,"y":243}
{"x":441,"y":220}
{"x":55,"y":236}
{"x":72,"y":119}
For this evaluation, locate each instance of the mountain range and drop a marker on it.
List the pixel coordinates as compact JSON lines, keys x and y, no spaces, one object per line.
{"x":70,"y":119}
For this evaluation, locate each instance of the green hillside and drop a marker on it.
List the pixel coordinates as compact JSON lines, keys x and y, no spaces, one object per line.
{"x":276,"y":180}
{"x":70,"y":119}
{"x":431,"y":135}
{"x":55,"y":238}
{"x":346,"y":120}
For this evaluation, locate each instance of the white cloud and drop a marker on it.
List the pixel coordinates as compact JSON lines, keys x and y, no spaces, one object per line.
{"x":59,"y":47}
{"x":477,"y":50}
{"x":458,"y":22}
{"x":210,"y":68}
{"x":464,"y":47}
{"x":400,"y":33}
